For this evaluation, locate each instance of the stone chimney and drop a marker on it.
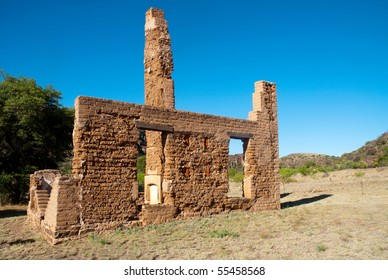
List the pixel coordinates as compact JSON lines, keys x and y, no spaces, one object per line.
{"x":159,"y":92}
{"x":158,"y":64}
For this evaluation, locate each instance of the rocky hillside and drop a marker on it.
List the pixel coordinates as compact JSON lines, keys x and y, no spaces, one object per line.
{"x":373,"y":153}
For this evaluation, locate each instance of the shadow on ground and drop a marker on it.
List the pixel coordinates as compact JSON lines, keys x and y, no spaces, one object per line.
{"x":302,"y":201}
{"x":284,"y":194}
{"x":12,"y":213}
{"x":16,"y":242}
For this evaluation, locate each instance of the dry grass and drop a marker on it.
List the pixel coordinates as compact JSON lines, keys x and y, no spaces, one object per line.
{"x":335,"y":216}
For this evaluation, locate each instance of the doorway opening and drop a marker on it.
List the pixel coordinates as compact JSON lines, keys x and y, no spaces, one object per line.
{"x":141,"y":161}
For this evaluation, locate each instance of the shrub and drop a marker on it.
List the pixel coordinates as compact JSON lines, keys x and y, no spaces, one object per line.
{"x":359,"y":174}
{"x":240,"y":167}
{"x":141,"y":165}
{"x":321,"y":247}
{"x":231,"y":172}
{"x":13,"y":188}
{"x":95,"y":238}
{"x":288,"y":180}
{"x":352,"y":165}
{"x":238,"y":177}
{"x":287,"y":172}
{"x":140,"y":181}
{"x":286,"y":175}
{"x":222,"y":234}
{"x":308,"y":169}
{"x":235,"y":175}
{"x":382,"y":160}
{"x":66,"y":169}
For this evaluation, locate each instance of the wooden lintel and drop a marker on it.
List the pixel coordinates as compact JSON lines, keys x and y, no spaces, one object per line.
{"x":236,"y":135}
{"x":154,"y":126}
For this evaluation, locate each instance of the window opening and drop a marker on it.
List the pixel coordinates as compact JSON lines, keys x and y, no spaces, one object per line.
{"x":236,"y":168}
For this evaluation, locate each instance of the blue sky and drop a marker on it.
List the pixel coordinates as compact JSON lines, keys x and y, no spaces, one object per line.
{"x":329,"y":59}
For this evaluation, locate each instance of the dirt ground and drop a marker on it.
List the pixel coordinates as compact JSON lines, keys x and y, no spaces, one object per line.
{"x":338,"y":215}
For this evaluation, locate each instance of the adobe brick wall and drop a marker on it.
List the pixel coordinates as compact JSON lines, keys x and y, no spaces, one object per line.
{"x":105,"y":152}
{"x":194,"y":155}
{"x":58,"y":214}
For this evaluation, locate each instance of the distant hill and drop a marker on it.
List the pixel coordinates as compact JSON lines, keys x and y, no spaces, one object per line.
{"x":373,"y":153}
{"x":300,"y":159}
{"x":235,"y":160}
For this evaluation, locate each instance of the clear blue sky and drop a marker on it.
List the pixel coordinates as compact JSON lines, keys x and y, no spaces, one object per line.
{"x":329,"y":59}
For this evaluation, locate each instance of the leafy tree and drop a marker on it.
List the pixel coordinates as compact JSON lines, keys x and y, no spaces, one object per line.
{"x":35,"y":133}
{"x":141,"y":166}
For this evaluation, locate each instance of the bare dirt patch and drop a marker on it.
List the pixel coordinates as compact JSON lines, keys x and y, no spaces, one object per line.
{"x":339,"y":215}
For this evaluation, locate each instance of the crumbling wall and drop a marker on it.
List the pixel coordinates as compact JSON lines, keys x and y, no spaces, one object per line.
{"x":105,"y":153}
{"x":41,"y":183}
{"x":194,"y":155}
{"x":103,"y":191}
{"x":54,"y":205}
{"x":197,"y":171}
{"x":264,"y":158}
{"x":158,"y":63}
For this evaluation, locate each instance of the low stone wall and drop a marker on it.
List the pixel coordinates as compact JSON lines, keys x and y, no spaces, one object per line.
{"x":54,"y":205}
{"x":157,"y":214}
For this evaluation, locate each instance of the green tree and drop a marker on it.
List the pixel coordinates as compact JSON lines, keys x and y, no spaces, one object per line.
{"x":141,"y":166}
{"x":35,"y":133}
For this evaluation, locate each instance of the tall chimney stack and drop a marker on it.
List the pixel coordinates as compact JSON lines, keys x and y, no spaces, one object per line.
{"x":158,"y":63}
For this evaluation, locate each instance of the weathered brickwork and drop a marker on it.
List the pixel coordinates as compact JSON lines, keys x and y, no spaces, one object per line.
{"x":186,"y":157}
{"x":105,"y":160}
{"x":54,"y":205}
{"x":158,"y":63}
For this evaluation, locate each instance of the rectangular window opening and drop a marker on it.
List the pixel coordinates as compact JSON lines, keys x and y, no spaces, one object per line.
{"x":236,"y":167}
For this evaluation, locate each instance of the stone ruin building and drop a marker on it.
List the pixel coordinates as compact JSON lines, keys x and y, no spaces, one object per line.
{"x":186,"y":157}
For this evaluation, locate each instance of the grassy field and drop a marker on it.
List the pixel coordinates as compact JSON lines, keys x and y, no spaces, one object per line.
{"x":337,"y":215}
